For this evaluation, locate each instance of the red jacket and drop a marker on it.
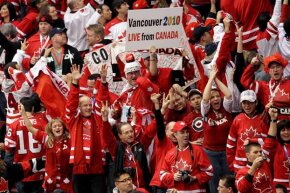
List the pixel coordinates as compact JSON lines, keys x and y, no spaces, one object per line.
{"x":74,"y":121}
{"x":57,"y":170}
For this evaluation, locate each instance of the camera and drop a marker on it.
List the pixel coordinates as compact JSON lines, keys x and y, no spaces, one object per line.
{"x":131,"y":171}
{"x":185,"y":176}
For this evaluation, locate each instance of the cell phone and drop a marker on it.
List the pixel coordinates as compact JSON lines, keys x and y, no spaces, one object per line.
{"x":125,"y":113}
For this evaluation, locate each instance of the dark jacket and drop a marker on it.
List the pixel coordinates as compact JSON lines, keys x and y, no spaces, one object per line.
{"x":71,"y":56}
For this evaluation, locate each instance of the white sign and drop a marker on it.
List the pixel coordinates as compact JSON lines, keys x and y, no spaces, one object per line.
{"x":96,"y":59}
{"x":159,"y":27}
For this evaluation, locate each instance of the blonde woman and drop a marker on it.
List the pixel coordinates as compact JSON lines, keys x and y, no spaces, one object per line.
{"x":58,"y":171}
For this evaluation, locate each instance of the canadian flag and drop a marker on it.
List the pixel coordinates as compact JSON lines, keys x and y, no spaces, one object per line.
{"x":51,"y":89}
{"x":18,"y":77}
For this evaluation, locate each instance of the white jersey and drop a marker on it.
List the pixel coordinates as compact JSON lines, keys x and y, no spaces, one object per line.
{"x":75,"y":22}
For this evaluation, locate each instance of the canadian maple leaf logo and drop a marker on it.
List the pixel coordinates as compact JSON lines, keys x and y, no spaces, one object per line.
{"x":182,"y":166}
{"x":262,"y":183}
{"x":249,"y":133}
{"x":283,"y":93}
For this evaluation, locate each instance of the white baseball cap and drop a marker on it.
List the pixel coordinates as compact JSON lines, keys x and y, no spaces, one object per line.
{"x":248,"y":95}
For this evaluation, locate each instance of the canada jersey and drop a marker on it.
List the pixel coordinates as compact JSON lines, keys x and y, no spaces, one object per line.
{"x":24,"y":145}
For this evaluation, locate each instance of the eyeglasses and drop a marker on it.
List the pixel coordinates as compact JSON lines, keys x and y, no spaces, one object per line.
{"x":125,"y":180}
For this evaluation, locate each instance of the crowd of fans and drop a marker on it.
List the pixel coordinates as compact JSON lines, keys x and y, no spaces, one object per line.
{"x":63,"y":128}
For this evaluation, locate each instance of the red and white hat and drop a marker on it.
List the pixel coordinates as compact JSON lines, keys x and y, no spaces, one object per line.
{"x":179,"y":125}
{"x":131,"y":64}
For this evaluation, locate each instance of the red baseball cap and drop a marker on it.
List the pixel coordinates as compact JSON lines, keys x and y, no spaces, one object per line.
{"x":178,"y":126}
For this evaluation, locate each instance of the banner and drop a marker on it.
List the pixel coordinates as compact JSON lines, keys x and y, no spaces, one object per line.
{"x":159,"y":27}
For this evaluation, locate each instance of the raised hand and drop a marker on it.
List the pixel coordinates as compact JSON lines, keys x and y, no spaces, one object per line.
{"x":47,"y":51}
{"x":76,"y":74}
{"x":155,"y":99}
{"x":273,"y":112}
{"x":213,"y":72}
{"x":24,"y":45}
{"x":165,"y":102}
{"x":104,"y":72}
{"x":105,"y":111}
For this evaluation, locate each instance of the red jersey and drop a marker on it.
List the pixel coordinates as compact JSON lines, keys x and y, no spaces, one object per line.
{"x":194,"y":121}
{"x":216,"y":126}
{"x":193,"y":160}
{"x":243,"y":127}
{"x":24,"y":144}
{"x":57,"y":170}
{"x":277,"y":153}
{"x":262,"y":181}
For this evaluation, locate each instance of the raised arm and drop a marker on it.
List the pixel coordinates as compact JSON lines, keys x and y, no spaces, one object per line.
{"x":153,"y":69}
{"x":26,"y":120}
{"x":207,"y":89}
{"x":225,"y":90}
{"x":273,"y":112}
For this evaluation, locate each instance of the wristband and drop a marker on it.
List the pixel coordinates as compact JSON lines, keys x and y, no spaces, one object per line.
{"x":274,"y":121}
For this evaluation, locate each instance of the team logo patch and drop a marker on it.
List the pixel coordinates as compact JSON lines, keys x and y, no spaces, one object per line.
{"x":197,"y":124}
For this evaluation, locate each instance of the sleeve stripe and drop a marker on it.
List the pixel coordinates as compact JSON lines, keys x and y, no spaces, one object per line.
{"x":232,"y":139}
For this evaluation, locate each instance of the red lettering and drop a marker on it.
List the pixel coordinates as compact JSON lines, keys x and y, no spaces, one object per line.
{"x":134,"y":37}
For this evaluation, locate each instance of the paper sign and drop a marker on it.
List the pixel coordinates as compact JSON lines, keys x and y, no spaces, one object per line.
{"x":159,"y":27}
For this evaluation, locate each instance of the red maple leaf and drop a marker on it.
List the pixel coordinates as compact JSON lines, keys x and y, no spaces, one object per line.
{"x":249,"y":133}
{"x":262,"y":183}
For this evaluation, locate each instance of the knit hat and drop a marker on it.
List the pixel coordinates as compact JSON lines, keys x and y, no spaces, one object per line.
{"x":275,"y":58}
{"x":131,"y":64}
